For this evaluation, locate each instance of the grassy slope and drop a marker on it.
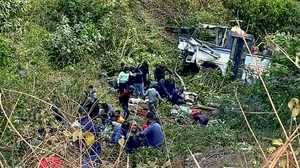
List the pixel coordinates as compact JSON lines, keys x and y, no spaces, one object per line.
{"x":144,"y":25}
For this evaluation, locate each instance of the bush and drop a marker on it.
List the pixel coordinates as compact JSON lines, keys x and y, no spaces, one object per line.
{"x":266,"y":15}
{"x":84,"y":10}
{"x":11,"y":12}
{"x":290,"y":43}
{"x":68,"y":45}
{"x":3,"y":53}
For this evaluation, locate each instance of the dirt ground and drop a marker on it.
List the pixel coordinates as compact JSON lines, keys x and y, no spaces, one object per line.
{"x":221,"y":158}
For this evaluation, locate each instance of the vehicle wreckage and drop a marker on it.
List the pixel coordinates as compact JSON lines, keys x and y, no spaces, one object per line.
{"x":225,"y":46}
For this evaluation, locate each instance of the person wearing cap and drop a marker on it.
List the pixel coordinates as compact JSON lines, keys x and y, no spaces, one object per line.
{"x":153,"y":132}
{"x":119,"y":131}
{"x":175,"y":97}
{"x":124,"y":100}
{"x":123,"y":79}
{"x":160,"y":71}
{"x":153,"y":96}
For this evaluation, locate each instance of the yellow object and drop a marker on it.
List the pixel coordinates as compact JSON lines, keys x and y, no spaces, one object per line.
{"x":295,"y":111}
{"x":282,"y":163}
{"x":77,"y":134}
{"x":120,"y":120}
{"x":67,"y":133}
{"x":277,"y":142}
{"x":89,"y":138}
{"x":121,"y":142}
{"x":271,"y":149}
{"x":294,"y":107}
{"x":293,"y":103}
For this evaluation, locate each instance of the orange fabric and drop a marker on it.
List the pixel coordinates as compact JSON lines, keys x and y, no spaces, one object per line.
{"x":120,"y":120}
{"x":195,"y":112}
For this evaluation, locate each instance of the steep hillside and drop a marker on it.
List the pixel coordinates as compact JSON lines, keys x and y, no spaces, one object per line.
{"x":51,"y":50}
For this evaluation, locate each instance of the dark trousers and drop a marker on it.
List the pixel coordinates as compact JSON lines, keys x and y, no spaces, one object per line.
{"x":152,"y":106}
{"x":126,"y":110}
{"x":122,"y":87}
{"x":179,"y":102}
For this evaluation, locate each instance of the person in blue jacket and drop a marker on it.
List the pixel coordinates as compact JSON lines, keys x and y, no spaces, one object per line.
{"x":89,"y":126}
{"x":175,"y":99}
{"x":170,"y":84}
{"x":153,"y":132}
{"x":161,"y":88}
{"x":119,"y":131}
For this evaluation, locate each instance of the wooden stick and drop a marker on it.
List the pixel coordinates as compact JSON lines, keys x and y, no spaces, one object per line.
{"x":244,"y":115}
{"x":204,"y":107}
{"x":195,"y":160}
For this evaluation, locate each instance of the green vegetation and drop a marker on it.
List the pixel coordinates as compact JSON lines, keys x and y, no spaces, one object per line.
{"x":50,"y":50}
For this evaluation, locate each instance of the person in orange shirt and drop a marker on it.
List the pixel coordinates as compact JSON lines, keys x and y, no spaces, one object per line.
{"x":117,"y":117}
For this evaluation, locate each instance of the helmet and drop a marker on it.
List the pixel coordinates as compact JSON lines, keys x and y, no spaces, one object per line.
{"x":131,"y":88}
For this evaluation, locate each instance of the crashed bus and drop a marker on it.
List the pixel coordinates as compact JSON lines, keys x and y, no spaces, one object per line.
{"x":217,"y":51}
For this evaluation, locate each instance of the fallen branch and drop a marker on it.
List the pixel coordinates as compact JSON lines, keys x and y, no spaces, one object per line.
{"x":204,"y":107}
{"x":195,"y":160}
{"x":181,"y":80}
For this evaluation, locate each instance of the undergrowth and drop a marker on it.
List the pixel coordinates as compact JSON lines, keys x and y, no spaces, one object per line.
{"x":51,"y":50}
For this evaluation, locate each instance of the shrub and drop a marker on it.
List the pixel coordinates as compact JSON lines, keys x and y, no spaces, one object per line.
{"x":266,"y":15}
{"x":84,"y":10}
{"x":67,"y":45}
{"x":11,"y":12}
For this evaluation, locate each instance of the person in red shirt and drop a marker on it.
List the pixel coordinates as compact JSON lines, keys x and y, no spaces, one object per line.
{"x":124,"y":100}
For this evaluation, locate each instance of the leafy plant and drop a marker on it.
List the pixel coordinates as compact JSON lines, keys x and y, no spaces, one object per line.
{"x":84,"y":10}
{"x":3,"y":52}
{"x":68,"y":45}
{"x":265,"y":15}
{"x":11,"y":12}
